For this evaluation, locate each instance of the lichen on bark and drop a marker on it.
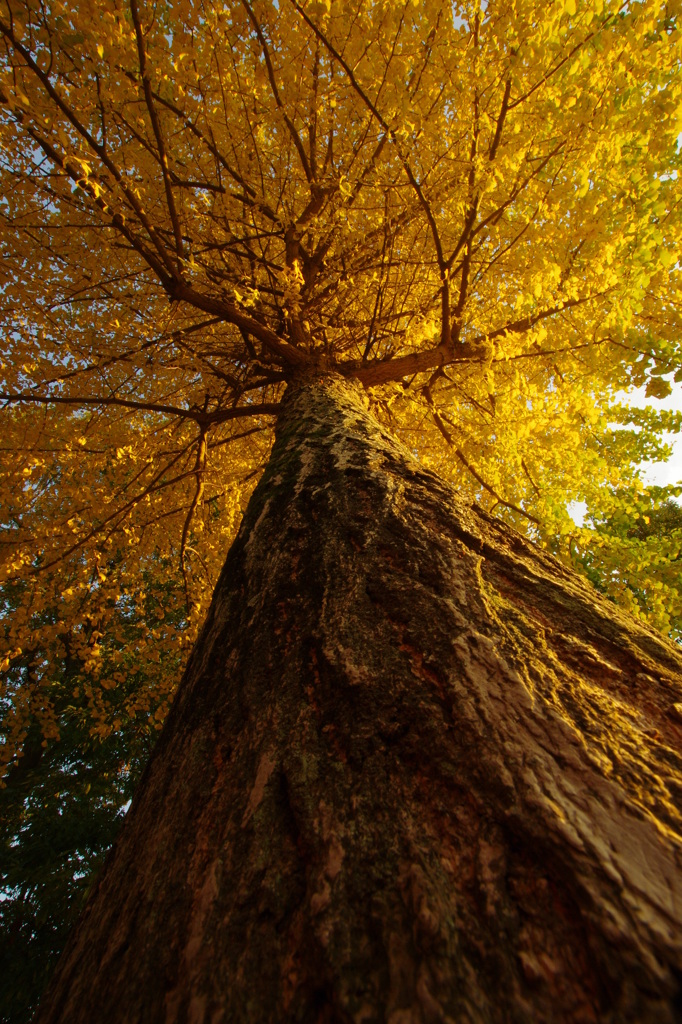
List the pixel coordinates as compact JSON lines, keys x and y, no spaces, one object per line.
{"x":416,"y":771}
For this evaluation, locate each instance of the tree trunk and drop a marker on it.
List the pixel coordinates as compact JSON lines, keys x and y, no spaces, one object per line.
{"x":417,"y":771}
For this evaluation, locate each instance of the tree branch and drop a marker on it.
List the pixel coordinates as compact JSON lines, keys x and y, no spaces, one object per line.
{"x":206,"y":418}
{"x":156,"y":126}
{"x":285,"y":353}
{"x":296,"y":139}
{"x":96,"y":148}
{"x":477,"y":476}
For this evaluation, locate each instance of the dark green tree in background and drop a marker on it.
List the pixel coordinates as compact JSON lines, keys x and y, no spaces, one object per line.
{"x":62,"y":805}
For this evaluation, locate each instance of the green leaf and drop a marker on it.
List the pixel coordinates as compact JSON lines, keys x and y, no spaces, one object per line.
{"x":658,"y":387}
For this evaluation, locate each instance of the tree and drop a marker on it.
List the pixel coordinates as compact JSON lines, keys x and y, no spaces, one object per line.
{"x":62,"y":803}
{"x":639,"y":563}
{"x":404,"y":777}
{"x":60,"y":811}
{"x":473,"y":213}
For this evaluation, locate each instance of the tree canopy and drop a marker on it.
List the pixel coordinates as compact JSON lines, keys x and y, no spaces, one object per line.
{"x":473,"y":209}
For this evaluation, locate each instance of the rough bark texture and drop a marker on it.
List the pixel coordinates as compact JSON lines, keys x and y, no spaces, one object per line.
{"x":417,"y":771}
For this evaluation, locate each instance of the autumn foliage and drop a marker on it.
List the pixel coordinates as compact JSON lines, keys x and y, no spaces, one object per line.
{"x":474,"y":209}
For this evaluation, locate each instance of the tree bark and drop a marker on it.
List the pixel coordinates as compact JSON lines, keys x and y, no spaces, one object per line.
{"x":417,"y":771}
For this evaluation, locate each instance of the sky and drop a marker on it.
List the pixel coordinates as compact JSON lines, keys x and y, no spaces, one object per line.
{"x":660,"y":473}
